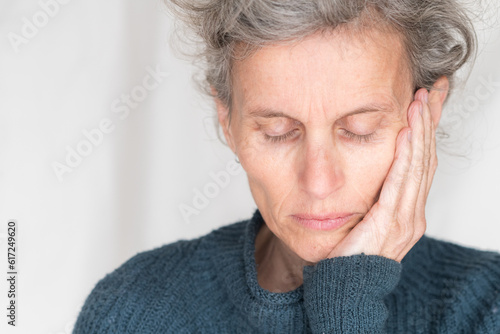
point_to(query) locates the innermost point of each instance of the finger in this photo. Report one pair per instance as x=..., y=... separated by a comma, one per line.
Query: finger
x=395, y=181
x=404, y=228
x=422, y=196
x=419, y=221
x=434, y=160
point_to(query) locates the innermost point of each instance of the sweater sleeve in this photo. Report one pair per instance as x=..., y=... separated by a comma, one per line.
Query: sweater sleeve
x=345, y=294
x=120, y=302
x=489, y=322
x=475, y=302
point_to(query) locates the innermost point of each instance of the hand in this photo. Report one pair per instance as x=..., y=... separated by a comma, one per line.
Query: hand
x=396, y=221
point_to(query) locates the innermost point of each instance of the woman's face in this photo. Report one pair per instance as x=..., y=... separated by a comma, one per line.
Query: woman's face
x=314, y=126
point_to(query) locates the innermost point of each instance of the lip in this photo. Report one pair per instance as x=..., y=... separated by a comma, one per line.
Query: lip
x=323, y=222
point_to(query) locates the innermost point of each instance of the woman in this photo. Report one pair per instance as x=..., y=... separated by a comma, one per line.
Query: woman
x=331, y=107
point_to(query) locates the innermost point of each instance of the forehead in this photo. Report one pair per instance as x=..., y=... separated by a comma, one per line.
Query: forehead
x=332, y=72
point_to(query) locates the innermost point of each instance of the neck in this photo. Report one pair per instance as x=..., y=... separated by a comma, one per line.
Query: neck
x=279, y=269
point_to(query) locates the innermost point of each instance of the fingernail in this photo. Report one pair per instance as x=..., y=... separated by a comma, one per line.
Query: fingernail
x=421, y=109
x=426, y=96
x=409, y=136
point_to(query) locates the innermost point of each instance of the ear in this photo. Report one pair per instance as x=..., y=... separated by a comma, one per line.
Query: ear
x=437, y=97
x=223, y=117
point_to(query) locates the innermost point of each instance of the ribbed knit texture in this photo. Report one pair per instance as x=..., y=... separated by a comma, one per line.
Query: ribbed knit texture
x=209, y=285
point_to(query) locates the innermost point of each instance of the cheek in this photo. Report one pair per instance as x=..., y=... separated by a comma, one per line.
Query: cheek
x=269, y=174
x=272, y=178
x=366, y=171
x=265, y=164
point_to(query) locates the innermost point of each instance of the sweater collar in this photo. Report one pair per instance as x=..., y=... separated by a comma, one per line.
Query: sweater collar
x=236, y=269
x=257, y=291
x=267, y=311
x=413, y=261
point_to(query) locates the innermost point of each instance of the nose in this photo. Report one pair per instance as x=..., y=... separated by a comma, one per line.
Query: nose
x=321, y=173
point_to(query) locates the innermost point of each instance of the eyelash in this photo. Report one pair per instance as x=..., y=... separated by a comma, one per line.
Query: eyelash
x=359, y=138
x=279, y=139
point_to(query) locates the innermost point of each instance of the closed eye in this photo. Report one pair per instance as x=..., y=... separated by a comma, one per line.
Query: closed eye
x=359, y=138
x=278, y=139
x=352, y=136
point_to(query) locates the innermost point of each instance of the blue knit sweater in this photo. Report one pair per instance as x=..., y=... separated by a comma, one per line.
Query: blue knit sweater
x=209, y=285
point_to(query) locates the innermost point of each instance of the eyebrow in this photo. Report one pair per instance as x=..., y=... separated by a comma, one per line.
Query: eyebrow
x=372, y=107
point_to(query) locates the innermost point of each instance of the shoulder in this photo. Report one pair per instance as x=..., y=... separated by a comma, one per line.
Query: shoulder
x=462, y=283
x=114, y=295
x=151, y=281
x=459, y=258
x=454, y=263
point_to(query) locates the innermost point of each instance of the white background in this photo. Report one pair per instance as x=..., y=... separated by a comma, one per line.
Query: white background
x=124, y=197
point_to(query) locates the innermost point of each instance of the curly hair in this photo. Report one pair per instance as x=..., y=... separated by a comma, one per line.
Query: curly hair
x=438, y=36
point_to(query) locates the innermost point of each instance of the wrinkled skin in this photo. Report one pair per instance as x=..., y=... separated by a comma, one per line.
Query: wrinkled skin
x=314, y=159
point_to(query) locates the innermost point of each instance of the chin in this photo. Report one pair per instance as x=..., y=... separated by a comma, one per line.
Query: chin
x=317, y=248
x=312, y=245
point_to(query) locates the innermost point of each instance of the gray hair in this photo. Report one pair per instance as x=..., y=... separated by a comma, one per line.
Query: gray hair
x=438, y=36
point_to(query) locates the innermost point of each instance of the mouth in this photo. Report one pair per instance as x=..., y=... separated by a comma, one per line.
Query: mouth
x=325, y=222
